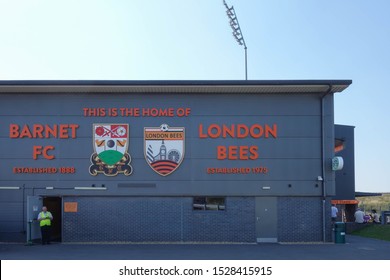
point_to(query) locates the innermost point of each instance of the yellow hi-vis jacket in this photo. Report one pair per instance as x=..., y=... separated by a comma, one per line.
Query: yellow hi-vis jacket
x=46, y=218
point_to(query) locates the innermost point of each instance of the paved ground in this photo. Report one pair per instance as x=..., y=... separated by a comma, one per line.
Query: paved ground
x=356, y=248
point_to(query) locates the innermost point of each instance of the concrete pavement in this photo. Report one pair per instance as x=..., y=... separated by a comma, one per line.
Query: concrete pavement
x=355, y=248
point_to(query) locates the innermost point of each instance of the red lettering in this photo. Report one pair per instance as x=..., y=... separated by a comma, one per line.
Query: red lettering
x=244, y=152
x=181, y=112
x=37, y=131
x=51, y=131
x=253, y=131
x=25, y=132
x=233, y=153
x=242, y=131
x=37, y=150
x=228, y=131
x=94, y=112
x=217, y=132
x=13, y=131
x=237, y=152
x=130, y=112
x=238, y=131
x=221, y=152
x=44, y=151
x=201, y=134
x=73, y=128
x=155, y=112
x=62, y=131
x=273, y=131
x=253, y=152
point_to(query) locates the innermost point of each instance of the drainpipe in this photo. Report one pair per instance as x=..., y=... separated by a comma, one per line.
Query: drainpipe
x=23, y=209
x=323, y=163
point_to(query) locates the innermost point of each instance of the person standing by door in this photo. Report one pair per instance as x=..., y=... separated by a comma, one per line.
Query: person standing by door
x=335, y=212
x=45, y=218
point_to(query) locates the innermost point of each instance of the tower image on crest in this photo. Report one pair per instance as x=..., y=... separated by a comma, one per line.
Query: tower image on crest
x=165, y=161
x=172, y=155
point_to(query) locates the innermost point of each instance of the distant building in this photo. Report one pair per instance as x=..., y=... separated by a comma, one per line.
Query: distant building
x=345, y=178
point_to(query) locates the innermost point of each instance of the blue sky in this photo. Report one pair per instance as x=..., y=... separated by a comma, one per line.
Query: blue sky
x=191, y=40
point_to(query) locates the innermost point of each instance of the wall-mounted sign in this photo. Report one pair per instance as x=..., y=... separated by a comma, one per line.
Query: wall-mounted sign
x=345, y=201
x=164, y=148
x=337, y=163
x=110, y=143
x=70, y=207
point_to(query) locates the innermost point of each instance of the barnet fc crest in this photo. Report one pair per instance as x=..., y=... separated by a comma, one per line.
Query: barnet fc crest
x=110, y=143
x=164, y=148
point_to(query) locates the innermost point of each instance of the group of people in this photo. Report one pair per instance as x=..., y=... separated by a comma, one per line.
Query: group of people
x=360, y=216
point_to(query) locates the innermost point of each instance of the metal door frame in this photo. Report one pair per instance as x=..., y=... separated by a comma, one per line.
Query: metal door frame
x=33, y=207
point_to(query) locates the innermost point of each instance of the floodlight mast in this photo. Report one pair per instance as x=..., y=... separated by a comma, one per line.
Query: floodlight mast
x=237, y=33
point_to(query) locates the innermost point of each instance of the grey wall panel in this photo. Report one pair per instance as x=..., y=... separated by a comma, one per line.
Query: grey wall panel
x=288, y=126
x=10, y=227
x=293, y=157
x=73, y=104
x=10, y=195
x=215, y=188
x=329, y=144
x=11, y=211
x=196, y=169
x=345, y=178
x=281, y=148
x=279, y=169
x=12, y=220
x=288, y=105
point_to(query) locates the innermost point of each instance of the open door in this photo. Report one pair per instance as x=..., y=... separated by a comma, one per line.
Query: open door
x=34, y=206
x=54, y=205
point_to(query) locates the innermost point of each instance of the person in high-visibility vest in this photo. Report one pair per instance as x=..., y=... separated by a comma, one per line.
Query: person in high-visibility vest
x=45, y=218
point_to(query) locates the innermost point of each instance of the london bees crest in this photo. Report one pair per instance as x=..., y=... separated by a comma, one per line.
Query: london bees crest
x=110, y=143
x=164, y=148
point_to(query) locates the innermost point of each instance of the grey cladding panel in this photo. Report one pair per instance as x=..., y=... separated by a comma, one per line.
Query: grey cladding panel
x=294, y=156
x=196, y=169
x=11, y=211
x=281, y=148
x=287, y=126
x=11, y=195
x=11, y=226
x=195, y=148
x=68, y=104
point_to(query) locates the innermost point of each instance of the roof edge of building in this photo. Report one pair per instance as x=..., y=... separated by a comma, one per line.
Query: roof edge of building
x=174, y=86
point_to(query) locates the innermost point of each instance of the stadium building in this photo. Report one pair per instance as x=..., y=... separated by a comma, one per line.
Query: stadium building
x=168, y=161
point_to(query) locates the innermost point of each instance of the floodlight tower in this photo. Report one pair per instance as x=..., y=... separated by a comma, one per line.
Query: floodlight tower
x=237, y=33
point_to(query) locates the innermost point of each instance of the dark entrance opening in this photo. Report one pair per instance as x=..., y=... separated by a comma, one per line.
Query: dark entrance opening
x=54, y=205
